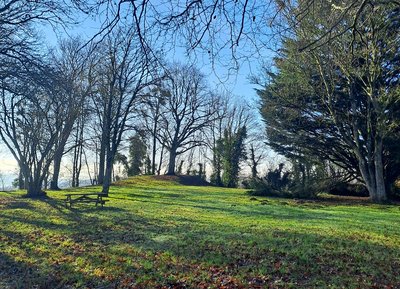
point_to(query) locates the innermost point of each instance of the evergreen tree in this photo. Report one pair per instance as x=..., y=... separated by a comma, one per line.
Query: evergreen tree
x=338, y=101
x=137, y=155
x=231, y=150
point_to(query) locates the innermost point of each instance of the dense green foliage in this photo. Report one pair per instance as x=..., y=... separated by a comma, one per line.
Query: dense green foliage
x=159, y=234
x=339, y=101
x=230, y=151
x=137, y=155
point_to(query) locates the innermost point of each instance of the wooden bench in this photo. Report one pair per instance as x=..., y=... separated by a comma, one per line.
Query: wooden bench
x=96, y=198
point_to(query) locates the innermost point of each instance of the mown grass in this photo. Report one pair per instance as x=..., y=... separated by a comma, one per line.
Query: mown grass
x=160, y=234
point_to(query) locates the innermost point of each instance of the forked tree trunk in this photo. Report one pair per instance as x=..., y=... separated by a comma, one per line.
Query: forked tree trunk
x=59, y=153
x=373, y=174
x=34, y=190
x=33, y=185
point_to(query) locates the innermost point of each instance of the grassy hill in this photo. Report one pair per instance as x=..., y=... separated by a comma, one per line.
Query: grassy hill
x=157, y=233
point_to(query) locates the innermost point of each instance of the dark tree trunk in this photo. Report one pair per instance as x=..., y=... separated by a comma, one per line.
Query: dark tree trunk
x=216, y=176
x=21, y=181
x=59, y=153
x=254, y=163
x=34, y=190
x=78, y=152
x=108, y=172
x=33, y=183
x=172, y=161
x=161, y=160
x=102, y=160
x=380, y=195
x=56, y=170
x=153, y=159
x=105, y=141
x=77, y=166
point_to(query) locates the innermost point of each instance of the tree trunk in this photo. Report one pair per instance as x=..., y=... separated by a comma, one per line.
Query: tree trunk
x=78, y=151
x=254, y=163
x=21, y=182
x=56, y=171
x=374, y=178
x=34, y=190
x=153, y=160
x=108, y=174
x=161, y=160
x=77, y=165
x=33, y=184
x=217, y=172
x=380, y=193
x=102, y=160
x=172, y=160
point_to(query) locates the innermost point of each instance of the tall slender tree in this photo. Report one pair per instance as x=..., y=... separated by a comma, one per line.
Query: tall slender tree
x=74, y=66
x=151, y=112
x=122, y=76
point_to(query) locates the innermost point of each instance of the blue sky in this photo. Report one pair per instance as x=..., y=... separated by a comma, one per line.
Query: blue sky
x=237, y=83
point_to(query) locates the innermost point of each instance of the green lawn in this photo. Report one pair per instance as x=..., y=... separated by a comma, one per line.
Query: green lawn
x=159, y=234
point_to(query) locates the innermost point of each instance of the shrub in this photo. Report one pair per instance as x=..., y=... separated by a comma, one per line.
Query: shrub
x=342, y=188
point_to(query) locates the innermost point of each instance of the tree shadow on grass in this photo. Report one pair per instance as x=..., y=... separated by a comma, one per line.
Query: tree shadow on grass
x=101, y=238
x=22, y=275
x=18, y=274
x=60, y=206
x=291, y=257
x=295, y=257
x=301, y=258
x=288, y=213
x=16, y=204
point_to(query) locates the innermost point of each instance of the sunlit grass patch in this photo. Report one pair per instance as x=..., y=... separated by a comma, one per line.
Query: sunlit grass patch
x=156, y=233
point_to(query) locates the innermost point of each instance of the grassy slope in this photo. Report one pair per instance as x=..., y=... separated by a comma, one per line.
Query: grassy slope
x=159, y=234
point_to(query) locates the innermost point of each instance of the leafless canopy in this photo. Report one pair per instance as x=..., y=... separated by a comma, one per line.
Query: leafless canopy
x=227, y=31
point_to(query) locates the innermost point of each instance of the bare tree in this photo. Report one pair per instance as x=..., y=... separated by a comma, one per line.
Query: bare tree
x=122, y=75
x=78, y=149
x=74, y=66
x=31, y=116
x=187, y=111
x=151, y=112
x=17, y=22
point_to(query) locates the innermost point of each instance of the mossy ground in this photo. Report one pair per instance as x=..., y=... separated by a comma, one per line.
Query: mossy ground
x=156, y=233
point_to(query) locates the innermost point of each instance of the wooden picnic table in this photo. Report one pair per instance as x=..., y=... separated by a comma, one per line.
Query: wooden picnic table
x=96, y=198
